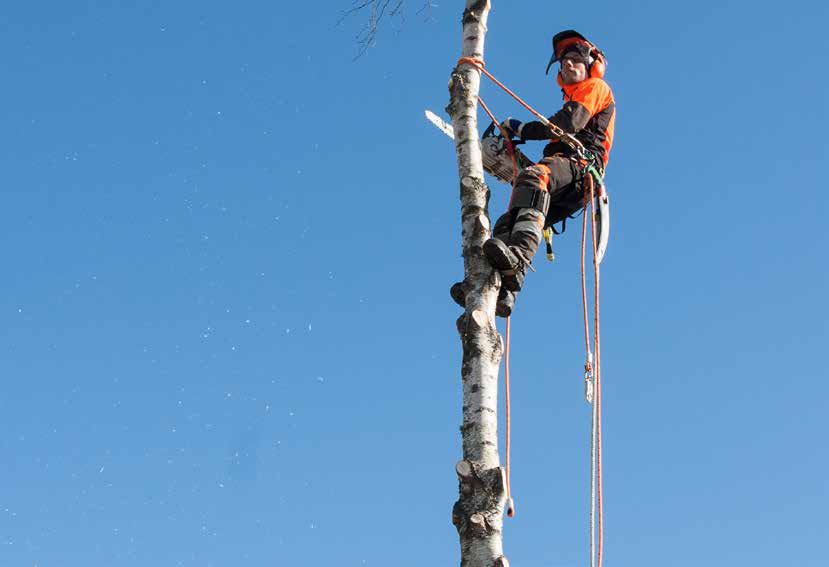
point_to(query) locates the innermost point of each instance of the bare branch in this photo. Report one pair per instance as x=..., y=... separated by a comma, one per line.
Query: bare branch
x=377, y=11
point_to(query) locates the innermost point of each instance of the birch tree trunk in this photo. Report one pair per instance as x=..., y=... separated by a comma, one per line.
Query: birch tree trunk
x=478, y=513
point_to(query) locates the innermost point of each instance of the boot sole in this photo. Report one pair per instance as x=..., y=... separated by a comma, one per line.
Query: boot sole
x=500, y=257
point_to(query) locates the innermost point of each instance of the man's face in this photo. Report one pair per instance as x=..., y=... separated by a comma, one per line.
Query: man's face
x=572, y=70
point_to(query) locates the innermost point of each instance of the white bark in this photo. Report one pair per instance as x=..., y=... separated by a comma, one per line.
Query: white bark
x=478, y=513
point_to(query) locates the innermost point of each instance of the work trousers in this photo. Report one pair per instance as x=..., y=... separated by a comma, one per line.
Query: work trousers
x=522, y=227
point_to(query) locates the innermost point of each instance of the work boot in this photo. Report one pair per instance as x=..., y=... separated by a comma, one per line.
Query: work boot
x=503, y=307
x=505, y=303
x=508, y=261
x=514, y=259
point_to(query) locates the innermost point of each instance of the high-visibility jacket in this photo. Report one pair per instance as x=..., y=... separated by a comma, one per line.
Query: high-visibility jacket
x=589, y=112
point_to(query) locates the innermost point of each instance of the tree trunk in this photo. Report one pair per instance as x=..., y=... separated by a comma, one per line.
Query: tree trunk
x=478, y=513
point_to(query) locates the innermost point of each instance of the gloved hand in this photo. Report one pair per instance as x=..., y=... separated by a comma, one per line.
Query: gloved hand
x=513, y=127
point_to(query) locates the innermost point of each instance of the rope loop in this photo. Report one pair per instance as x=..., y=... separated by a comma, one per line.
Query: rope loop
x=474, y=61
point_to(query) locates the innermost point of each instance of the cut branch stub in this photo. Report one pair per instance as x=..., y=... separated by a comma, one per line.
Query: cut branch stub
x=464, y=470
x=480, y=319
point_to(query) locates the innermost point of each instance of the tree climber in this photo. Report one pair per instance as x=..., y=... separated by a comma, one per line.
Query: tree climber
x=551, y=190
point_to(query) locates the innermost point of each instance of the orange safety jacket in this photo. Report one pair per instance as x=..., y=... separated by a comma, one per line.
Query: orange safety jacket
x=589, y=112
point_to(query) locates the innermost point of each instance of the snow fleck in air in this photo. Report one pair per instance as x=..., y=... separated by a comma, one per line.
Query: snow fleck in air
x=100, y=471
x=287, y=331
x=313, y=526
x=247, y=321
x=320, y=379
x=267, y=407
x=290, y=414
x=20, y=310
x=299, y=172
x=233, y=348
x=221, y=485
x=309, y=327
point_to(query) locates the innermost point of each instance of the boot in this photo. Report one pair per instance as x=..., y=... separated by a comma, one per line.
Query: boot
x=513, y=260
x=503, y=307
x=504, y=259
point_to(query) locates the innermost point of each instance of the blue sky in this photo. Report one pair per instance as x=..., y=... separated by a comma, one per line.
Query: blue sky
x=227, y=246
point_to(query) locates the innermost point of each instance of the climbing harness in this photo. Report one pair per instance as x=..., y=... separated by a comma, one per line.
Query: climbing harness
x=600, y=226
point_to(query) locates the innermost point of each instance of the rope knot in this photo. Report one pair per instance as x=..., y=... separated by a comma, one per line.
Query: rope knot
x=474, y=61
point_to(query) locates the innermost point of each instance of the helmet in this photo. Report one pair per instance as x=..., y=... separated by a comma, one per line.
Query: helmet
x=571, y=40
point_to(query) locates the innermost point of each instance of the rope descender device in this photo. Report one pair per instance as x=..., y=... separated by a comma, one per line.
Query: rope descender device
x=589, y=386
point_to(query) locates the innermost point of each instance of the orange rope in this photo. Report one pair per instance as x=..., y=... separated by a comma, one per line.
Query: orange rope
x=511, y=149
x=510, y=503
x=479, y=64
x=565, y=137
x=597, y=383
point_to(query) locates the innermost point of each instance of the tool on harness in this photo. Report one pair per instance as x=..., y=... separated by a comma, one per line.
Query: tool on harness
x=602, y=221
x=548, y=239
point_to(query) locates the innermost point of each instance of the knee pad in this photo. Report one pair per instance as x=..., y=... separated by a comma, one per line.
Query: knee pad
x=527, y=197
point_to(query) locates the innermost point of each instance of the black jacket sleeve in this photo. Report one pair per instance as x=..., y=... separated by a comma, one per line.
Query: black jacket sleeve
x=572, y=117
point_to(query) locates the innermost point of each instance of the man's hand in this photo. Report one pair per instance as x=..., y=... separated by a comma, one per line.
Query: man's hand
x=512, y=127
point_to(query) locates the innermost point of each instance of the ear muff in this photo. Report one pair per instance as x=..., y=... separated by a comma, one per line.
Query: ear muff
x=599, y=65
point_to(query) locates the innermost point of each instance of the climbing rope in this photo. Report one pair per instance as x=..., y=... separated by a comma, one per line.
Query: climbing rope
x=592, y=367
x=510, y=503
x=593, y=385
x=566, y=137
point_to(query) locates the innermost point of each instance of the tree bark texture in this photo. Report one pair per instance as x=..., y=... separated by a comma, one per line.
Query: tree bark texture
x=478, y=513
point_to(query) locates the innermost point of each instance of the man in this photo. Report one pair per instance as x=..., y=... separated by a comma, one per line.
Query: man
x=551, y=190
